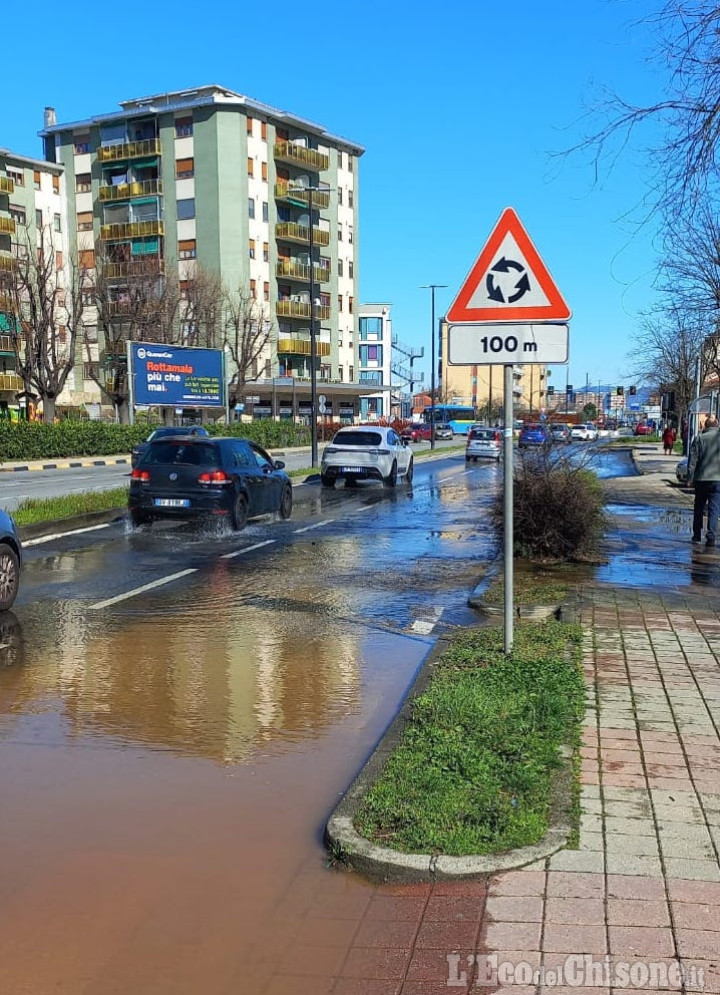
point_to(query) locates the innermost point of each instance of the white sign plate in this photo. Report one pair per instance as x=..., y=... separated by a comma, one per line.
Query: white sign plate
x=483, y=344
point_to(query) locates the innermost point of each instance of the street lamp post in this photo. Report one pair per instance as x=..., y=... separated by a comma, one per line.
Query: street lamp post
x=432, y=287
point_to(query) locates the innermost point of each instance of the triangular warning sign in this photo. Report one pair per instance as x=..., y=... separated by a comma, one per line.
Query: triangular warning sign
x=509, y=281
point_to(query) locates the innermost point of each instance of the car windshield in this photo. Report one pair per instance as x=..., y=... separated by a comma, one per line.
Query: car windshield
x=534, y=428
x=357, y=438
x=191, y=453
x=482, y=433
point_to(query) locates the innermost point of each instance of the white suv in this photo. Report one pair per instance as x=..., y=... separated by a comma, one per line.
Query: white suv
x=366, y=452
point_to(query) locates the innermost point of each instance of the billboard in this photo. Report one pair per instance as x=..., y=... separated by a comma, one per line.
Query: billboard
x=177, y=376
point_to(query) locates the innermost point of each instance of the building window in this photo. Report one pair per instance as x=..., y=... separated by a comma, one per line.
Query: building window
x=263, y=130
x=187, y=248
x=266, y=291
x=339, y=233
x=38, y=219
x=58, y=260
x=251, y=166
x=340, y=302
x=251, y=208
x=340, y=159
x=56, y=222
x=339, y=195
x=81, y=144
x=351, y=374
x=86, y=258
x=90, y=332
x=266, y=252
x=91, y=371
x=56, y=184
x=350, y=269
x=183, y=127
x=340, y=267
x=350, y=305
x=85, y=221
x=263, y=170
x=350, y=234
x=253, y=288
x=350, y=198
x=36, y=179
x=252, y=248
x=17, y=176
x=249, y=124
x=17, y=214
x=184, y=169
x=83, y=183
x=186, y=209
x=340, y=373
x=265, y=210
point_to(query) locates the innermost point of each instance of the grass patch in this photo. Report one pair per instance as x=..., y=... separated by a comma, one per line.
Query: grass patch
x=528, y=589
x=473, y=772
x=31, y=511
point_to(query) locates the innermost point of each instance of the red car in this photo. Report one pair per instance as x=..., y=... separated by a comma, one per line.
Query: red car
x=644, y=429
x=416, y=433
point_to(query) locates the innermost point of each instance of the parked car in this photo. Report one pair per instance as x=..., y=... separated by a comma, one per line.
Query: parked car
x=10, y=561
x=483, y=442
x=194, y=476
x=642, y=428
x=163, y=433
x=586, y=433
x=365, y=453
x=444, y=432
x=681, y=471
x=417, y=432
x=560, y=433
x=533, y=435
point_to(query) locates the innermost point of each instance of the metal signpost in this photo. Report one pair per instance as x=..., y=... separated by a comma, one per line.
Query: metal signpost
x=509, y=310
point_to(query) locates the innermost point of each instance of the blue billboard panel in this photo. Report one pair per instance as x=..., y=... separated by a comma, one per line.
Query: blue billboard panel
x=177, y=375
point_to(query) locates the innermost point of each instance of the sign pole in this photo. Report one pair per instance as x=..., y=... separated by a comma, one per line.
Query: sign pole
x=508, y=509
x=131, y=383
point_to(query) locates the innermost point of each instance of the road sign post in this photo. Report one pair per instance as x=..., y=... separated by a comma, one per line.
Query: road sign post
x=508, y=518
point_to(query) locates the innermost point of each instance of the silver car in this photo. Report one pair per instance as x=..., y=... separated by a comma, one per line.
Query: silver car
x=483, y=443
x=366, y=452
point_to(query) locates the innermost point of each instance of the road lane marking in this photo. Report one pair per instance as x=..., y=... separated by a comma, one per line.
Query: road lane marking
x=366, y=507
x=424, y=626
x=247, y=549
x=317, y=525
x=141, y=590
x=61, y=535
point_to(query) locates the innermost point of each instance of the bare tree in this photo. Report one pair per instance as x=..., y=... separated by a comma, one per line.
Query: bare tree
x=204, y=302
x=247, y=325
x=47, y=294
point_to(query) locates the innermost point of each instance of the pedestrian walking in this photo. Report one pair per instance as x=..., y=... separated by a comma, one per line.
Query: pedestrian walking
x=668, y=440
x=704, y=474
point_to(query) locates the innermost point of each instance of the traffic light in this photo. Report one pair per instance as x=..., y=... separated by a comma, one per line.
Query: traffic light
x=550, y=391
x=621, y=391
x=633, y=390
x=569, y=389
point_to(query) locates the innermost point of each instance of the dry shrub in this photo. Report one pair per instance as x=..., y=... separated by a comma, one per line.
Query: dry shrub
x=558, y=506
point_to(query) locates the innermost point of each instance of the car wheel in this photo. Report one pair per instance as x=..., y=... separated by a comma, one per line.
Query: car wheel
x=240, y=513
x=286, y=503
x=9, y=577
x=139, y=517
x=327, y=481
x=409, y=472
x=391, y=479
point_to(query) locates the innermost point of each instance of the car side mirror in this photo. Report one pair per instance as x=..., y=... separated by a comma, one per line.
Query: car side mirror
x=279, y=464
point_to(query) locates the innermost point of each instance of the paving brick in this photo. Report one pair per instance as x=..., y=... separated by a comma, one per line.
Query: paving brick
x=695, y=870
x=645, y=866
x=510, y=936
x=514, y=909
x=688, y=916
x=529, y=883
x=575, y=911
x=580, y=939
x=576, y=860
x=634, y=887
x=637, y=912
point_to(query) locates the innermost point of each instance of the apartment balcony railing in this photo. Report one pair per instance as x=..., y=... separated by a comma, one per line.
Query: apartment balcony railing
x=7, y=264
x=296, y=195
x=138, y=188
x=11, y=381
x=131, y=229
x=294, y=346
x=301, y=271
x=7, y=226
x=115, y=271
x=291, y=232
x=121, y=309
x=6, y=345
x=371, y=379
x=129, y=150
x=6, y=303
x=301, y=309
x=7, y=185
x=299, y=155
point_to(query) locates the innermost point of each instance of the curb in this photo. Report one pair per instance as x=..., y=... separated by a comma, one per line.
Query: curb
x=65, y=465
x=385, y=865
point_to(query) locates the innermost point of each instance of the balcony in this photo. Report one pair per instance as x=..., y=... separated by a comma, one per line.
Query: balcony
x=6, y=345
x=296, y=195
x=131, y=229
x=7, y=226
x=299, y=155
x=301, y=271
x=124, y=191
x=7, y=185
x=301, y=309
x=301, y=347
x=129, y=150
x=147, y=267
x=7, y=264
x=11, y=381
x=290, y=232
x=6, y=303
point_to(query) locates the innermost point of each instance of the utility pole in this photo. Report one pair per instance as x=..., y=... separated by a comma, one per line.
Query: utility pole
x=432, y=287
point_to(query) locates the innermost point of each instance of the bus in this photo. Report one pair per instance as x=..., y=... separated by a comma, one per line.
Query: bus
x=459, y=417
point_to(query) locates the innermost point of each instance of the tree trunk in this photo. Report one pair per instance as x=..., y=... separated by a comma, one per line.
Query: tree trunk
x=48, y=410
x=123, y=412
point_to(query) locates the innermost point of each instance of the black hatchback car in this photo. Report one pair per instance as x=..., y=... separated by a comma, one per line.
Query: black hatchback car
x=163, y=433
x=196, y=477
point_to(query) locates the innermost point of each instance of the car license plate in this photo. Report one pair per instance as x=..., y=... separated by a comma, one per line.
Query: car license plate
x=352, y=469
x=171, y=503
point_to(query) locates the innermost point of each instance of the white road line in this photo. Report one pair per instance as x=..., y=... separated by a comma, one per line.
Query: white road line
x=247, y=549
x=317, y=525
x=366, y=507
x=61, y=535
x=141, y=590
x=424, y=626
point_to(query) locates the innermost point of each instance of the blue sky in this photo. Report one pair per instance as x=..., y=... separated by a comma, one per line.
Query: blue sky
x=458, y=104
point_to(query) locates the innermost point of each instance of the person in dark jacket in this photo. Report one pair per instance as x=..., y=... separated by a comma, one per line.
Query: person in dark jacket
x=704, y=474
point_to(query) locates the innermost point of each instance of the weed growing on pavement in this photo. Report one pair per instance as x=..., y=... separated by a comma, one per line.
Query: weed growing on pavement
x=31, y=511
x=473, y=772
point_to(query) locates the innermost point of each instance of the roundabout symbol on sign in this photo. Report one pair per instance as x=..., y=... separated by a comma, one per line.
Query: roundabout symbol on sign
x=495, y=291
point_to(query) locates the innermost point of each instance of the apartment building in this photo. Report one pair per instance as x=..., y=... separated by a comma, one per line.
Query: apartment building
x=374, y=359
x=209, y=180
x=32, y=217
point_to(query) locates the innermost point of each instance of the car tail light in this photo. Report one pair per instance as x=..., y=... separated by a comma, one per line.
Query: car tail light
x=142, y=475
x=214, y=477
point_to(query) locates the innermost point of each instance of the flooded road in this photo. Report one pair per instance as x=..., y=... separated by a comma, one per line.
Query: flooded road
x=180, y=711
